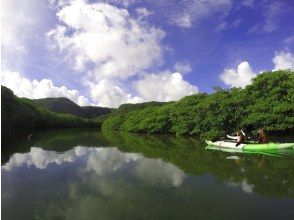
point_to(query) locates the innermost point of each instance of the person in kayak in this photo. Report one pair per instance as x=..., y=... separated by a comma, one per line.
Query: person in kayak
x=234, y=136
x=262, y=137
x=240, y=138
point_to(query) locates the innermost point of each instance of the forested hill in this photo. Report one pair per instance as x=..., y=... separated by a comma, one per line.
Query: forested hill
x=129, y=107
x=21, y=116
x=268, y=102
x=64, y=105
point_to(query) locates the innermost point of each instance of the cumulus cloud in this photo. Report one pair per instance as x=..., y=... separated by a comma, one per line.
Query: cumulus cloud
x=283, y=60
x=191, y=12
x=239, y=77
x=164, y=86
x=109, y=94
x=106, y=40
x=111, y=46
x=23, y=87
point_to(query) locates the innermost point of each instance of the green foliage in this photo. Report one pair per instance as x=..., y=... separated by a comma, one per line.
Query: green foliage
x=113, y=122
x=267, y=102
x=64, y=105
x=126, y=108
x=272, y=96
x=21, y=115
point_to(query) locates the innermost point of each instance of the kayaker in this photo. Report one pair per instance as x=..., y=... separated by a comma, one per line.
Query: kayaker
x=240, y=138
x=262, y=137
x=235, y=137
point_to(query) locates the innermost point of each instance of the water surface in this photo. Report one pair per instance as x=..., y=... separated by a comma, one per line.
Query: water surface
x=84, y=174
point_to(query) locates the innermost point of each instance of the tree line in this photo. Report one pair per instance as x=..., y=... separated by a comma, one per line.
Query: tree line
x=268, y=102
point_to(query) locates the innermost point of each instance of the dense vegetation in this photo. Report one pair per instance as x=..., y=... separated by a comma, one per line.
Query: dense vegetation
x=117, y=116
x=126, y=108
x=21, y=115
x=64, y=105
x=267, y=102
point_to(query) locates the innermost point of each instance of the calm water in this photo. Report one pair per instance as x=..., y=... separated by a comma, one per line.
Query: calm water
x=84, y=174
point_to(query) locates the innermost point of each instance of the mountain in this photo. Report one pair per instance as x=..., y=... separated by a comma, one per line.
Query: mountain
x=20, y=116
x=64, y=105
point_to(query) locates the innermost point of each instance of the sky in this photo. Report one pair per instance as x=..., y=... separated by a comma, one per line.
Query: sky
x=110, y=52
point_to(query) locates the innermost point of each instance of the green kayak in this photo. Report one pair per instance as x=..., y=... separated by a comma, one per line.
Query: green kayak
x=251, y=146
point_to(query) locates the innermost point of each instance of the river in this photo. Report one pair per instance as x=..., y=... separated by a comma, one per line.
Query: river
x=86, y=174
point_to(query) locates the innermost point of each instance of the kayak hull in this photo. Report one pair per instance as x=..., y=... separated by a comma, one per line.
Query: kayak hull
x=251, y=146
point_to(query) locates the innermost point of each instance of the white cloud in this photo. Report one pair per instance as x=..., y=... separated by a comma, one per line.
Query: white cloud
x=109, y=94
x=107, y=39
x=108, y=45
x=164, y=86
x=191, y=12
x=239, y=77
x=143, y=13
x=22, y=22
x=283, y=60
x=35, y=89
x=183, y=20
x=18, y=19
x=183, y=67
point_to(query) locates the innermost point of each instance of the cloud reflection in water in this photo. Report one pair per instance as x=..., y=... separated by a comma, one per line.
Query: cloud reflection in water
x=102, y=161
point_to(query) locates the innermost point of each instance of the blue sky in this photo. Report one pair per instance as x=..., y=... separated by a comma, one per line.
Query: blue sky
x=111, y=52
